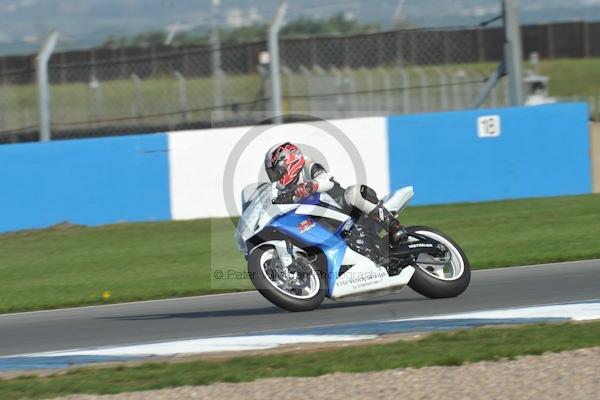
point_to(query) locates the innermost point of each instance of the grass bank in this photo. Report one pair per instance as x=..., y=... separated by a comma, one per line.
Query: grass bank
x=73, y=266
x=437, y=349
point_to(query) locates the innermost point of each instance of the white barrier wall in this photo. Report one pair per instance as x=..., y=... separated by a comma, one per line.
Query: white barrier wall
x=198, y=159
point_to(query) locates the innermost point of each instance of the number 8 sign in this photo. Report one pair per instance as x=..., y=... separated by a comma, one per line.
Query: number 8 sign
x=488, y=126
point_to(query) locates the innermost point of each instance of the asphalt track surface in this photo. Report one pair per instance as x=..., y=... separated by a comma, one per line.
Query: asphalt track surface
x=234, y=314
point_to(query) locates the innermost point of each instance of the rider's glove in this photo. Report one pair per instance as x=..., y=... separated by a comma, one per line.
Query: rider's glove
x=306, y=189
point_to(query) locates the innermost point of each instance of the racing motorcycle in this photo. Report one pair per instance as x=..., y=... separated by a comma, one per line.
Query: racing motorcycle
x=300, y=252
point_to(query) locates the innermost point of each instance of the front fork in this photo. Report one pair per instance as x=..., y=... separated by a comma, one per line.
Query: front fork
x=285, y=252
x=291, y=267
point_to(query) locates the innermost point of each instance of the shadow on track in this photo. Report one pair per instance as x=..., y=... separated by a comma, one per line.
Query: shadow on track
x=271, y=310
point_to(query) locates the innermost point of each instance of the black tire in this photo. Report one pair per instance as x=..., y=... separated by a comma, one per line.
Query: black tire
x=275, y=296
x=436, y=288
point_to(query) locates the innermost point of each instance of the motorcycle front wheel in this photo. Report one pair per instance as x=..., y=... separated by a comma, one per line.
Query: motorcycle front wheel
x=440, y=277
x=300, y=287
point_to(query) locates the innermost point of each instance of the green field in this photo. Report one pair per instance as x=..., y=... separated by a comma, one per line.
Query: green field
x=437, y=349
x=72, y=266
x=77, y=102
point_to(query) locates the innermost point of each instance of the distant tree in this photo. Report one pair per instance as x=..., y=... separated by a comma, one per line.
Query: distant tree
x=245, y=34
x=141, y=40
x=114, y=42
x=340, y=24
x=149, y=39
x=404, y=24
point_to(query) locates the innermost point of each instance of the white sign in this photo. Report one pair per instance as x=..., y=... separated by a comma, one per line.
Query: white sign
x=488, y=126
x=198, y=159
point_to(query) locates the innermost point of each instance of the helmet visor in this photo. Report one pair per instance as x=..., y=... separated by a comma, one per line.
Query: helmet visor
x=276, y=172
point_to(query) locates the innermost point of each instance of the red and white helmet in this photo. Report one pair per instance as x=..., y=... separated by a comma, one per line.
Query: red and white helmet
x=284, y=163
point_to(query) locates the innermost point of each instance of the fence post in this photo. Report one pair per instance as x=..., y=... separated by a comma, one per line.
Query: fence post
x=512, y=62
x=387, y=86
x=480, y=45
x=96, y=86
x=183, y=103
x=2, y=109
x=514, y=52
x=63, y=67
x=369, y=87
x=550, y=40
x=475, y=86
x=405, y=88
x=215, y=46
x=307, y=75
x=42, y=60
x=585, y=26
x=290, y=86
x=456, y=100
x=137, y=104
x=274, y=28
x=443, y=83
x=339, y=85
x=424, y=83
x=352, y=89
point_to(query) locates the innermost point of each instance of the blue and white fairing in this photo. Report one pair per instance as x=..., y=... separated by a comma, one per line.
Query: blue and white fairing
x=317, y=222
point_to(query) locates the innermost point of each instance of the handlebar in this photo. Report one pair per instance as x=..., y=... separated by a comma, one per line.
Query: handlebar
x=285, y=197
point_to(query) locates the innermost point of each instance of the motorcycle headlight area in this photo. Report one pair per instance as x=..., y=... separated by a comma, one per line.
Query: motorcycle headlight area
x=250, y=217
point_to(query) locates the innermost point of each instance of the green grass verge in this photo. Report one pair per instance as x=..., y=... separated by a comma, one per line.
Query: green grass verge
x=73, y=266
x=437, y=349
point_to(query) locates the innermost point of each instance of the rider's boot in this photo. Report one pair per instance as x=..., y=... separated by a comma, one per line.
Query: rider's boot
x=388, y=221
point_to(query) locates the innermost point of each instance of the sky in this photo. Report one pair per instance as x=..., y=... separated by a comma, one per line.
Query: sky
x=86, y=23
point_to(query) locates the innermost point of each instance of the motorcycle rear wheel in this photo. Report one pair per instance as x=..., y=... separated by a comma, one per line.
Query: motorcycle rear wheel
x=440, y=281
x=301, y=298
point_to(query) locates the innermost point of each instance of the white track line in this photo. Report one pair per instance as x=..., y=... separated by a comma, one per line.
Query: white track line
x=202, y=345
x=441, y=316
x=573, y=311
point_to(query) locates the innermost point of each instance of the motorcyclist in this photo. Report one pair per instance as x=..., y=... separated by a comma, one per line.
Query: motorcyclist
x=298, y=177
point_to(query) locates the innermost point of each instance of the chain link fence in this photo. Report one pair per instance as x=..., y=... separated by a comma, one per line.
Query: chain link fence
x=144, y=90
x=155, y=92
x=19, y=117
x=401, y=72
x=108, y=92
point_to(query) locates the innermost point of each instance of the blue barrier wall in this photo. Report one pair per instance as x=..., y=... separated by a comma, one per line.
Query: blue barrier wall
x=90, y=182
x=541, y=151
